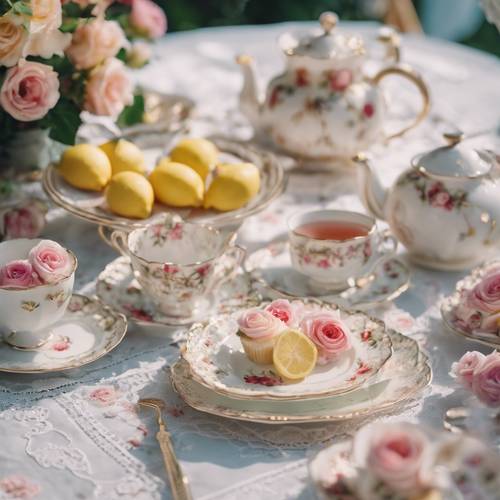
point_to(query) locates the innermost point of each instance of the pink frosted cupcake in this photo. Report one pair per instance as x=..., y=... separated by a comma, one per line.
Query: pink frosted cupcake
x=258, y=332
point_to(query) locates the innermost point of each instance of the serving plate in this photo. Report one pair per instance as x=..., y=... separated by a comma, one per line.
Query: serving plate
x=406, y=374
x=217, y=360
x=92, y=206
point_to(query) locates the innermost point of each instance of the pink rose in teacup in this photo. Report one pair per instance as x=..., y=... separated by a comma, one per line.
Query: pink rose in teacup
x=284, y=311
x=485, y=296
x=463, y=369
x=18, y=274
x=259, y=324
x=50, y=261
x=397, y=454
x=486, y=380
x=328, y=332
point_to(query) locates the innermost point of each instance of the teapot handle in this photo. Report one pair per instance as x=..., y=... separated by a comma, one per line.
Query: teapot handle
x=411, y=75
x=389, y=37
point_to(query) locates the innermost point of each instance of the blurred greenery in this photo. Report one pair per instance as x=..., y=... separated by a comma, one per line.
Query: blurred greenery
x=190, y=14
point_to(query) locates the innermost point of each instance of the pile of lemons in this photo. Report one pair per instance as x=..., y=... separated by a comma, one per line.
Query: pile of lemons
x=191, y=176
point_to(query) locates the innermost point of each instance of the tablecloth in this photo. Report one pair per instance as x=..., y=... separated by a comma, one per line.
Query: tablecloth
x=78, y=434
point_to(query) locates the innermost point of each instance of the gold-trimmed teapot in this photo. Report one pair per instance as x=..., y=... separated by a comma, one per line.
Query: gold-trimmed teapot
x=445, y=208
x=322, y=105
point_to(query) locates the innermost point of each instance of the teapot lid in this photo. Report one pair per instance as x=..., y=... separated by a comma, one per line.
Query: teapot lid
x=454, y=160
x=326, y=45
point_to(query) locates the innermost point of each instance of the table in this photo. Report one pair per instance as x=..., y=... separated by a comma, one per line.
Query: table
x=78, y=435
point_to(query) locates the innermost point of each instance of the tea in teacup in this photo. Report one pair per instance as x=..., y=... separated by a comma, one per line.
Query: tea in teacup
x=332, y=230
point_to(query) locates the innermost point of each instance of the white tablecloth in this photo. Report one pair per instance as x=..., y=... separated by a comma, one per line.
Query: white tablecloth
x=77, y=434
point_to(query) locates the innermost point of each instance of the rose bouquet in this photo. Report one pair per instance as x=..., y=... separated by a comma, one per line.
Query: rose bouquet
x=59, y=57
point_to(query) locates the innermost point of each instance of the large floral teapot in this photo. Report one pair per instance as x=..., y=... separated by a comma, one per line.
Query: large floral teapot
x=445, y=208
x=322, y=105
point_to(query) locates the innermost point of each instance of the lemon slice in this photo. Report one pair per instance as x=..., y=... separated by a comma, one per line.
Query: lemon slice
x=124, y=156
x=199, y=154
x=294, y=355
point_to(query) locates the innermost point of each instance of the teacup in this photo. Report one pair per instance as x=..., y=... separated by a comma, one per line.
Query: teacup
x=27, y=313
x=339, y=257
x=178, y=263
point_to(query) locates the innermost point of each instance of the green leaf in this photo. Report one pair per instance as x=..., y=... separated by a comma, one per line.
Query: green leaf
x=69, y=25
x=122, y=55
x=132, y=114
x=71, y=9
x=22, y=8
x=63, y=121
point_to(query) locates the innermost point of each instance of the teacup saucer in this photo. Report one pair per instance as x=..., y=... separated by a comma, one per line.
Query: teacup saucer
x=272, y=268
x=87, y=331
x=117, y=287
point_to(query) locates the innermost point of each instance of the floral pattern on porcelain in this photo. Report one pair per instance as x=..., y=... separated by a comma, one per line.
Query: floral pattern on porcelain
x=17, y=486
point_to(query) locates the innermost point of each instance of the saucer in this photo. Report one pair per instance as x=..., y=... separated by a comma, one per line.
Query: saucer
x=217, y=360
x=272, y=268
x=117, y=287
x=405, y=374
x=87, y=331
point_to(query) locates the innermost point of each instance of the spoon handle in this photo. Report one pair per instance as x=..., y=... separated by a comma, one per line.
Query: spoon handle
x=178, y=481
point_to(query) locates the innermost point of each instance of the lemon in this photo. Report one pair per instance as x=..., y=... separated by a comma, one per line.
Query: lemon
x=294, y=355
x=123, y=156
x=130, y=194
x=199, y=154
x=234, y=185
x=85, y=166
x=176, y=184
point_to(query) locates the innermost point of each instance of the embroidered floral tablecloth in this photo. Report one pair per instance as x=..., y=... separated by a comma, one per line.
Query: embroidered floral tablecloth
x=79, y=435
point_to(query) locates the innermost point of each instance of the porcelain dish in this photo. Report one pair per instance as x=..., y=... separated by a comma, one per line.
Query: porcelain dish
x=87, y=331
x=92, y=206
x=216, y=359
x=406, y=374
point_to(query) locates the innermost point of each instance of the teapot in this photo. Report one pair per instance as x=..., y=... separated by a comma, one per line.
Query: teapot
x=445, y=208
x=323, y=106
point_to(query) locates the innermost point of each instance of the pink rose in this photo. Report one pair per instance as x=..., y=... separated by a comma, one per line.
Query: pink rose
x=486, y=380
x=397, y=454
x=51, y=261
x=340, y=80
x=94, y=42
x=328, y=332
x=284, y=311
x=104, y=396
x=485, y=296
x=29, y=91
x=18, y=274
x=467, y=317
x=463, y=369
x=148, y=18
x=108, y=89
x=26, y=221
x=439, y=197
x=490, y=323
x=259, y=324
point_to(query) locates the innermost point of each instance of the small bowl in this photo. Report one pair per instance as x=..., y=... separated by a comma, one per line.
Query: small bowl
x=26, y=313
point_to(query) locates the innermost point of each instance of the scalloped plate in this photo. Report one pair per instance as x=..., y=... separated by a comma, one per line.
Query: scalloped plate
x=216, y=359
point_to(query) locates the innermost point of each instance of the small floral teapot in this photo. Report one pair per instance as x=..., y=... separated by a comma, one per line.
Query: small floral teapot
x=445, y=208
x=322, y=106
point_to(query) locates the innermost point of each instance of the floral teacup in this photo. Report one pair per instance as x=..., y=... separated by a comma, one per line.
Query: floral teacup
x=27, y=313
x=334, y=263
x=178, y=263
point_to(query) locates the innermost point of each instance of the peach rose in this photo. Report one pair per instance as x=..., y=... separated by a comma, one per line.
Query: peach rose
x=259, y=324
x=108, y=89
x=94, y=42
x=18, y=274
x=148, y=18
x=463, y=369
x=13, y=37
x=51, y=261
x=29, y=91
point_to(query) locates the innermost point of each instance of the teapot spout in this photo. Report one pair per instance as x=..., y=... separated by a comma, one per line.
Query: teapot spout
x=250, y=103
x=371, y=191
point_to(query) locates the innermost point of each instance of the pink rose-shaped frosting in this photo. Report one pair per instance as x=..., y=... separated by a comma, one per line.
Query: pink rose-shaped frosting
x=328, y=332
x=109, y=89
x=397, y=454
x=259, y=324
x=18, y=274
x=486, y=380
x=26, y=221
x=463, y=369
x=29, y=91
x=95, y=41
x=148, y=18
x=485, y=296
x=51, y=261
x=284, y=311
